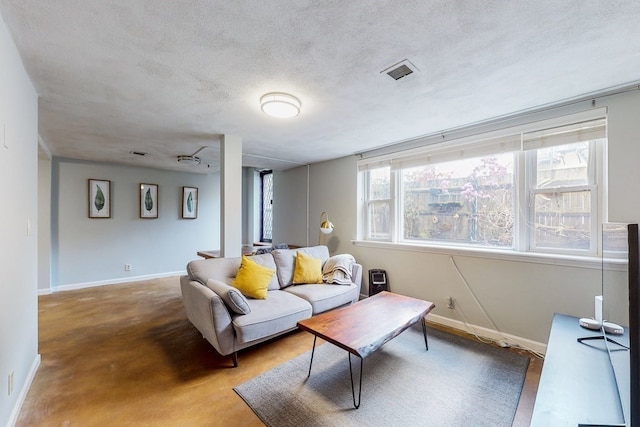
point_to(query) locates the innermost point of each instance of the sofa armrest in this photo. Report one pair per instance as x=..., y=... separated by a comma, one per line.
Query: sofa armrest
x=206, y=310
x=356, y=275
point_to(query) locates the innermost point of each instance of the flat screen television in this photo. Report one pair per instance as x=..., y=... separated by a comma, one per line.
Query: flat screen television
x=631, y=405
x=623, y=350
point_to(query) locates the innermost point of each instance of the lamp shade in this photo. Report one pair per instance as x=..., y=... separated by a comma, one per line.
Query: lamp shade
x=282, y=105
x=326, y=226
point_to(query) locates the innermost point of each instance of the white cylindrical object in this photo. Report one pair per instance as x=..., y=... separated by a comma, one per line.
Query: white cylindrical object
x=598, y=308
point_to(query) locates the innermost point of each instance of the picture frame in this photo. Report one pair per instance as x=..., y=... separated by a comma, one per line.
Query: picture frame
x=99, y=200
x=189, y=202
x=148, y=201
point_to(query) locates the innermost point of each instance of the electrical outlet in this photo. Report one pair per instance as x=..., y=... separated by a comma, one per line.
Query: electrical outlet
x=127, y=267
x=450, y=303
x=10, y=383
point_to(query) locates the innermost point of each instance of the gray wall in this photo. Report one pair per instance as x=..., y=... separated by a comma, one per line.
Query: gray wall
x=519, y=293
x=18, y=228
x=290, y=208
x=93, y=251
x=251, y=206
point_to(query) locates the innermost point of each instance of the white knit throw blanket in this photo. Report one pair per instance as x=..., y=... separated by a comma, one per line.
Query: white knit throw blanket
x=338, y=269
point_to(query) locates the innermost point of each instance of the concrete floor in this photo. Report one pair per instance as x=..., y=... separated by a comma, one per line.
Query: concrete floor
x=127, y=355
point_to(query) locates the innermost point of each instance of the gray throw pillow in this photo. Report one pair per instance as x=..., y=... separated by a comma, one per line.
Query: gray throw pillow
x=231, y=296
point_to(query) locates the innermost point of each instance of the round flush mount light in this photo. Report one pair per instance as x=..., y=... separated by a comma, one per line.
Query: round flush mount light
x=281, y=105
x=189, y=160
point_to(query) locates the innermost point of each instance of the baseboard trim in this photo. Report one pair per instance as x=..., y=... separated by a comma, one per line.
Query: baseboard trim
x=76, y=286
x=13, y=418
x=490, y=334
x=511, y=340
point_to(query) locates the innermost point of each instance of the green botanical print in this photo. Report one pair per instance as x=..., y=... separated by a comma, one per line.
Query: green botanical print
x=148, y=201
x=98, y=201
x=190, y=202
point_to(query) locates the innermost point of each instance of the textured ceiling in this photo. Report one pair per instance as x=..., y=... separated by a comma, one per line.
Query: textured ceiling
x=169, y=77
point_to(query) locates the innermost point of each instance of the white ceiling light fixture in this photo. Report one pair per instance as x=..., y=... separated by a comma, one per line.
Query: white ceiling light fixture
x=190, y=159
x=281, y=105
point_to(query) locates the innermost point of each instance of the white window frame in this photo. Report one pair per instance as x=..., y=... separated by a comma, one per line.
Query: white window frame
x=593, y=175
x=523, y=194
x=368, y=201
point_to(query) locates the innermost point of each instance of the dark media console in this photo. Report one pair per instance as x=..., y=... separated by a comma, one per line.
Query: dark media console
x=577, y=386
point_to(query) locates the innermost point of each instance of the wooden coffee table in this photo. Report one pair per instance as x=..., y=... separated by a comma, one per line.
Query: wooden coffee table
x=367, y=325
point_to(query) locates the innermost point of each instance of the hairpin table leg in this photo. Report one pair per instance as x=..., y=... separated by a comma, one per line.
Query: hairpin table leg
x=424, y=332
x=353, y=392
x=312, y=351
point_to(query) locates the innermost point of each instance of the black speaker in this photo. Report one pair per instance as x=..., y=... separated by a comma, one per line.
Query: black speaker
x=378, y=281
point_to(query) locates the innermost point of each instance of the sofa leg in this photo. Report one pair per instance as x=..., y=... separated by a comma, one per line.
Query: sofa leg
x=234, y=357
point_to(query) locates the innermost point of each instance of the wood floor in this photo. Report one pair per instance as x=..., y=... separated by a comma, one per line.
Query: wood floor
x=127, y=355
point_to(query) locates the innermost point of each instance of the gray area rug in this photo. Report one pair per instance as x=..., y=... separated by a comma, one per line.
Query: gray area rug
x=457, y=382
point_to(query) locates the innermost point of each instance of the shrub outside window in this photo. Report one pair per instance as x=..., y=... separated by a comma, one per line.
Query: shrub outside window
x=467, y=201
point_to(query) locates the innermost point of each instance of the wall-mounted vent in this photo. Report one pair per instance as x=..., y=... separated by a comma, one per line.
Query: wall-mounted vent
x=138, y=153
x=400, y=70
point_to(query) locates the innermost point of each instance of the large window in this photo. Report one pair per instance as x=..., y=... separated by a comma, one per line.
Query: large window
x=539, y=191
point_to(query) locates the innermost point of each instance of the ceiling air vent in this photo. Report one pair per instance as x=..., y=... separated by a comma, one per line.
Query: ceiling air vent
x=400, y=70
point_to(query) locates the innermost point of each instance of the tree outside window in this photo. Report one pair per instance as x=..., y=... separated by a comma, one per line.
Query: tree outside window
x=465, y=201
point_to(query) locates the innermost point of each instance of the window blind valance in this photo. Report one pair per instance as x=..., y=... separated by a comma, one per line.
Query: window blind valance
x=369, y=164
x=528, y=137
x=442, y=152
x=576, y=132
x=446, y=152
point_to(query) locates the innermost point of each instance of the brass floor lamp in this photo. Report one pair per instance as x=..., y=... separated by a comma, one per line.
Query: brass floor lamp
x=326, y=226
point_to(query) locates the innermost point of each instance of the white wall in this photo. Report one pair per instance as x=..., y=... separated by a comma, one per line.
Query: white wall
x=44, y=223
x=18, y=228
x=89, y=251
x=520, y=296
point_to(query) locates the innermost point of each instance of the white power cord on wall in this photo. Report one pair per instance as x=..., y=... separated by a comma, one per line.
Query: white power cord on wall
x=505, y=340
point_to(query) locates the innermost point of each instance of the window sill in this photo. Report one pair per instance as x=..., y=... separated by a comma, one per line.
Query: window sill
x=613, y=264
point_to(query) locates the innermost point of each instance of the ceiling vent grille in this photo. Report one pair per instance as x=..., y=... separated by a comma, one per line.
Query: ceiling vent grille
x=400, y=70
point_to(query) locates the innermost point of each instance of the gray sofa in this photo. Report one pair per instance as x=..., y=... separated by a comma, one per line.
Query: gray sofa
x=210, y=306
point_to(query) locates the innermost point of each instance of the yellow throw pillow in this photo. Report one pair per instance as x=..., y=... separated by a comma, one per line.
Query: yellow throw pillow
x=308, y=269
x=252, y=279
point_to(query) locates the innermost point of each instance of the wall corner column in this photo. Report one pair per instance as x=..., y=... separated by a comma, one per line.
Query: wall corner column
x=230, y=196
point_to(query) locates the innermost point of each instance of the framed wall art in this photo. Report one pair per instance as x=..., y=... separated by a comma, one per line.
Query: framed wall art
x=189, y=202
x=148, y=201
x=99, y=198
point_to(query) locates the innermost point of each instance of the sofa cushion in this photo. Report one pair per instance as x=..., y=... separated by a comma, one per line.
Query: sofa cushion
x=325, y=297
x=285, y=261
x=267, y=261
x=252, y=278
x=307, y=269
x=222, y=269
x=232, y=297
x=280, y=312
x=225, y=269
